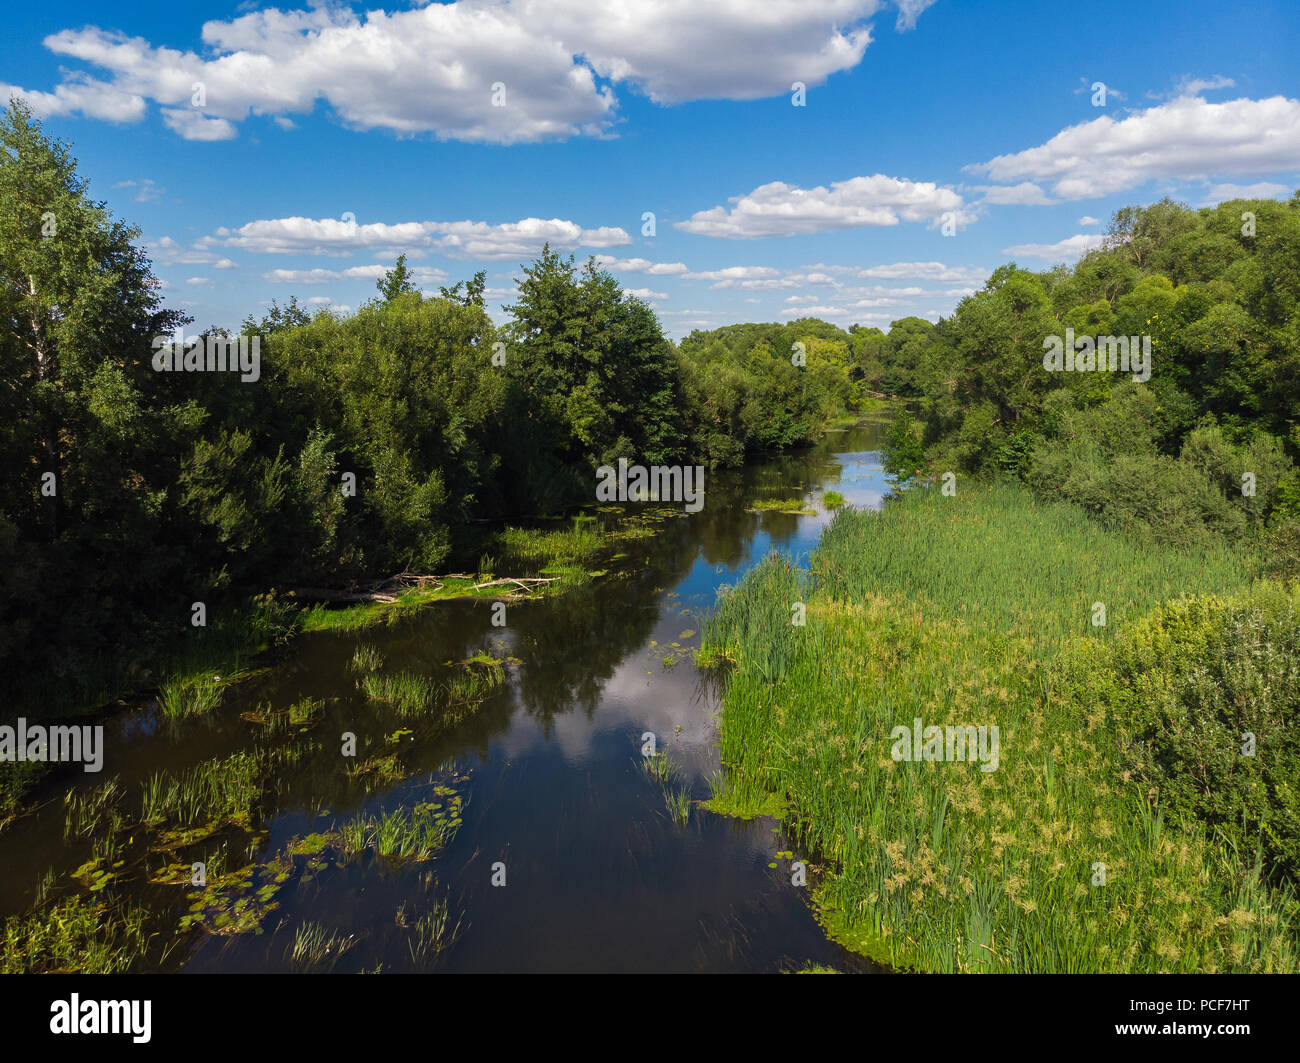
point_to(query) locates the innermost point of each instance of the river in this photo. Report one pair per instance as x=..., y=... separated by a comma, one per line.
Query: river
x=599, y=876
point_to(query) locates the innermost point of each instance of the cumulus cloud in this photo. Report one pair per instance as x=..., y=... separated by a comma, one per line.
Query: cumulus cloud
x=193, y=125
x=1186, y=138
x=1066, y=250
x=761, y=278
x=168, y=252
x=456, y=239
x=779, y=209
x=679, y=50
x=1024, y=194
x=83, y=96
x=1260, y=190
x=645, y=293
x=930, y=271
x=419, y=274
x=433, y=69
x=641, y=265
x=1088, y=219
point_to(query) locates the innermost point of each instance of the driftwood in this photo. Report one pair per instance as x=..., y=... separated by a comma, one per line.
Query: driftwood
x=390, y=589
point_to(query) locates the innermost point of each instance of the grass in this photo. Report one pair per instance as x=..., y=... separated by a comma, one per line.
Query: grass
x=790, y=506
x=316, y=949
x=411, y=695
x=832, y=499
x=181, y=696
x=552, y=547
x=956, y=610
x=416, y=834
x=660, y=768
x=305, y=711
x=433, y=934
x=366, y=659
x=407, y=693
x=678, y=802
x=77, y=935
x=86, y=811
x=217, y=791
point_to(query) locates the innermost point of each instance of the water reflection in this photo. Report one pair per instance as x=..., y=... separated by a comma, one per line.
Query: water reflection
x=599, y=876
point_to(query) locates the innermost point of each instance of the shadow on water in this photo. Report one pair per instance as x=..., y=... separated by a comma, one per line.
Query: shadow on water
x=600, y=875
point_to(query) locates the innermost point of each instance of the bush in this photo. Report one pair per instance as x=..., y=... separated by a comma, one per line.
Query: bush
x=1197, y=676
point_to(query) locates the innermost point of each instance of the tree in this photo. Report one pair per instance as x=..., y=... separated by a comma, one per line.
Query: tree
x=473, y=290
x=82, y=474
x=397, y=281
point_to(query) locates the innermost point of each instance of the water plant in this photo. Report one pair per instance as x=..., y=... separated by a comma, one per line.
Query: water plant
x=366, y=658
x=678, y=802
x=1056, y=861
x=432, y=934
x=85, y=811
x=316, y=948
x=76, y=935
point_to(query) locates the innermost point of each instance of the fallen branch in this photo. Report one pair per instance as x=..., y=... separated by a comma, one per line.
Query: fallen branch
x=525, y=583
x=390, y=589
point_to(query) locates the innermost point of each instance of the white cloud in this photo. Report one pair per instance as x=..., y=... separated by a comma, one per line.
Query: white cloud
x=1024, y=194
x=641, y=265
x=457, y=239
x=909, y=11
x=168, y=252
x=1260, y=190
x=80, y=95
x=1186, y=138
x=429, y=70
x=432, y=69
x=734, y=273
x=193, y=125
x=146, y=191
x=930, y=271
x=779, y=209
x=419, y=274
x=645, y=293
x=1190, y=86
x=1070, y=248
x=679, y=50
x=759, y=278
x=1088, y=219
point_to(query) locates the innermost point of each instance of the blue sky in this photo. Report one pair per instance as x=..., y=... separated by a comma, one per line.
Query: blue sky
x=939, y=139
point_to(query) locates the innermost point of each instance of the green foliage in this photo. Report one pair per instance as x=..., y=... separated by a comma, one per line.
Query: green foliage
x=1183, y=692
x=1165, y=457
x=973, y=610
x=744, y=394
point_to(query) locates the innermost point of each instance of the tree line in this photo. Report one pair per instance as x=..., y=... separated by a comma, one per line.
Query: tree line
x=1205, y=450
x=367, y=444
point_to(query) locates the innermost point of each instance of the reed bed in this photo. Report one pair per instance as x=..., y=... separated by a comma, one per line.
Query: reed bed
x=955, y=611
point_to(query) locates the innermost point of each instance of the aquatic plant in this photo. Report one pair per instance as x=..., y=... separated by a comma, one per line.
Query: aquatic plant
x=316, y=949
x=366, y=658
x=1055, y=861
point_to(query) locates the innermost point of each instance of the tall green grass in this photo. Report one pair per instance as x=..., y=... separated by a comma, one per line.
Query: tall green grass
x=218, y=791
x=954, y=610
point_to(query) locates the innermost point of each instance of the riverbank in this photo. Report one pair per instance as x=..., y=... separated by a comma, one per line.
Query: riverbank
x=232, y=648
x=988, y=610
x=537, y=727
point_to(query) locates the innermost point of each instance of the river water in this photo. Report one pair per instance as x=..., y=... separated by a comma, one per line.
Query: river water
x=598, y=875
